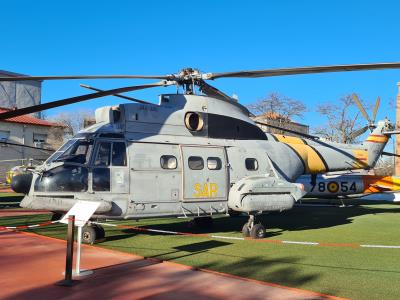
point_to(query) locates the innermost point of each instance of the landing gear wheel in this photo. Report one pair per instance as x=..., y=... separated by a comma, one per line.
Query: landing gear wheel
x=246, y=230
x=89, y=234
x=253, y=228
x=100, y=233
x=257, y=231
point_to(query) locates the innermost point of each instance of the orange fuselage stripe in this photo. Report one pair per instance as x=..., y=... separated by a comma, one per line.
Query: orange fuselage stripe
x=312, y=161
x=377, y=138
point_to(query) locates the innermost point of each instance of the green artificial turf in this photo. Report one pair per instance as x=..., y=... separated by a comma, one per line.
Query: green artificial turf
x=11, y=195
x=356, y=273
x=10, y=200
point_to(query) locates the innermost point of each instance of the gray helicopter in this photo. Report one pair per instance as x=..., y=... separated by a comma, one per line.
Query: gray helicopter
x=193, y=154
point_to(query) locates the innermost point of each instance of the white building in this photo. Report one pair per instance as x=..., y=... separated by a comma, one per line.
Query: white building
x=24, y=130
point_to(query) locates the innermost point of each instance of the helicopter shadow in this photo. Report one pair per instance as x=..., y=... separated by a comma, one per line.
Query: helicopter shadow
x=296, y=219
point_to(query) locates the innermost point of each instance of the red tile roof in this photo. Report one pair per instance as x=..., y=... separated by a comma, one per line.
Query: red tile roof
x=27, y=119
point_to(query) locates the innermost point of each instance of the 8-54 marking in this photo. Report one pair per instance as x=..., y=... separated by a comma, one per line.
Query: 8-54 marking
x=334, y=187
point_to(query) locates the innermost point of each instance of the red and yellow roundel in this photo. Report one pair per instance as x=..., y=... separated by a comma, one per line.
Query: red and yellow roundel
x=333, y=187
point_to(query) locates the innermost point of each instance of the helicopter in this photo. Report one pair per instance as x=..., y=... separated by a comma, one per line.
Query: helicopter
x=195, y=153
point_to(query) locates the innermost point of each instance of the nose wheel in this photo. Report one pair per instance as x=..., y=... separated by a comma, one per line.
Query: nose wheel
x=253, y=228
x=91, y=233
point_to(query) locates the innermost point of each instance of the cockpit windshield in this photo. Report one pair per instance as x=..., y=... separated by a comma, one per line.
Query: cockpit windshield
x=75, y=151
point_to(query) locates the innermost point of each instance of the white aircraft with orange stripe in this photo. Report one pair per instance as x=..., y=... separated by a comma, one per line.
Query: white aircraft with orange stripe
x=349, y=185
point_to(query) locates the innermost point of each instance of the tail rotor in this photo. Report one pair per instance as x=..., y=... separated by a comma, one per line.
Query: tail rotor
x=371, y=122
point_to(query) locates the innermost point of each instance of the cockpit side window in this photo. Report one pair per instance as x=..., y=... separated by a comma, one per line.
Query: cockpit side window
x=103, y=154
x=75, y=151
x=119, y=154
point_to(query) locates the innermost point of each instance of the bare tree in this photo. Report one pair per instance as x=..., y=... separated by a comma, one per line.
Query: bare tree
x=281, y=106
x=73, y=121
x=341, y=121
x=384, y=167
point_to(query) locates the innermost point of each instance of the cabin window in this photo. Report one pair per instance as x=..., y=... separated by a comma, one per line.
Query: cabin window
x=196, y=163
x=168, y=162
x=214, y=163
x=251, y=164
x=119, y=154
x=103, y=155
x=101, y=179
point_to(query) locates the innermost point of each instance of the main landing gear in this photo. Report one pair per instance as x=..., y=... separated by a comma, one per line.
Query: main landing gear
x=91, y=233
x=253, y=228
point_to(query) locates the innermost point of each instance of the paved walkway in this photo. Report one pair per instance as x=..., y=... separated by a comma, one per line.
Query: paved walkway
x=30, y=265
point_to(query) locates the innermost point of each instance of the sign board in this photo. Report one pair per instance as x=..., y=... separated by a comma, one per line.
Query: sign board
x=82, y=210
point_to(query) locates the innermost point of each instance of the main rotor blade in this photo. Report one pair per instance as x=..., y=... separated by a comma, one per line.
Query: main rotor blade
x=378, y=101
x=361, y=107
x=309, y=136
x=390, y=154
x=26, y=146
x=67, y=101
x=212, y=91
x=303, y=70
x=358, y=132
x=116, y=95
x=40, y=78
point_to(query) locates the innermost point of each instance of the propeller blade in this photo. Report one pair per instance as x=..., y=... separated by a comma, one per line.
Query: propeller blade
x=40, y=78
x=378, y=101
x=309, y=136
x=361, y=107
x=67, y=101
x=116, y=95
x=303, y=70
x=358, y=132
x=390, y=154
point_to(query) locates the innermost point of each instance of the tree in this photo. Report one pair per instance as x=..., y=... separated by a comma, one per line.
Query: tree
x=73, y=121
x=280, y=106
x=341, y=121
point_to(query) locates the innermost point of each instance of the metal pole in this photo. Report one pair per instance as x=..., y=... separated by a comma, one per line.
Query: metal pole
x=70, y=253
x=70, y=248
x=78, y=251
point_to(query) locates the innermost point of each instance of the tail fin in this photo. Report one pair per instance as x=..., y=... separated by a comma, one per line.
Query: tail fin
x=377, y=141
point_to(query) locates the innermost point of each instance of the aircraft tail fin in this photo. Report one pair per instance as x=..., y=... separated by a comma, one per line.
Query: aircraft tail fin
x=376, y=141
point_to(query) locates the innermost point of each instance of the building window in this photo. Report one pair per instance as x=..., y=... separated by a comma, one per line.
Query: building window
x=39, y=140
x=168, y=162
x=214, y=163
x=251, y=164
x=196, y=163
x=4, y=135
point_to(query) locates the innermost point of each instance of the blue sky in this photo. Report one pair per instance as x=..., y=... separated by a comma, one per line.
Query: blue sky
x=161, y=37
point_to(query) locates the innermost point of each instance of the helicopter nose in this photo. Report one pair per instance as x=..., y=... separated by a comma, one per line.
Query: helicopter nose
x=21, y=183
